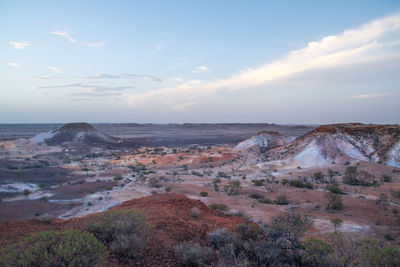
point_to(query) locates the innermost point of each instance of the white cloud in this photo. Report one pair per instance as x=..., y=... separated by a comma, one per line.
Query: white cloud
x=14, y=64
x=65, y=35
x=363, y=96
x=99, y=44
x=55, y=69
x=376, y=40
x=200, y=69
x=20, y=45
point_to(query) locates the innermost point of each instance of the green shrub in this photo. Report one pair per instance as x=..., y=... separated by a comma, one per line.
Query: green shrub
x=386, y=178
x=334, y=189
x=335, y=201
x=282, y=200
x=233, y=188
x=255, y=196
x=218, y=206
x=168, y=189
x=284, y=181
x=316, y=252
x=124, y=231
x=257, y=182
x=297, y=183
x=194, y=254
x=203, y=194
x=51, y=248
x=265, y=200
x=117, y=178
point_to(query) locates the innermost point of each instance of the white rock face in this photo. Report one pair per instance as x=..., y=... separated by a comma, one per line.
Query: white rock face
x=394, y=156
x=42, y=137
x=263, y=139
x=18, y=187
x=311, y=156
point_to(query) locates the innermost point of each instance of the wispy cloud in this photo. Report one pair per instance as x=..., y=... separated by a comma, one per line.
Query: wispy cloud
x=45, y=78
x=125, y=76
x=99, y=44
x=368, y=43
x=65, y=35
x=200, y=69
x=55, y=69
x=92, y=94
x=14, y=64
x=88, y=87
x=20, y=45
x=363, y=96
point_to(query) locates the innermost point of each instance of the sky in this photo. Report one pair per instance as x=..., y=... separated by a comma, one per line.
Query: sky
x=286, y=62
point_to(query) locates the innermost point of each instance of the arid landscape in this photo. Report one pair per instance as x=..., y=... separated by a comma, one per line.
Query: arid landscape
x=254, y=172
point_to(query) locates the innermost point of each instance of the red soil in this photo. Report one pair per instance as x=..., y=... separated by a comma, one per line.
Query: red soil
x=168, y=213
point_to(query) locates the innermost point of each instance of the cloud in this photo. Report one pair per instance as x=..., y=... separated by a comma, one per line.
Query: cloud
x=93, y=94
x=99, y=44
x=14, y=64
x=363, y=96
x=65, y=35
x=45, y=78
x=200, y=69
x=125, y=76
x=55, y=69
x=20, y=45
x=88, y=87
x=374, y=41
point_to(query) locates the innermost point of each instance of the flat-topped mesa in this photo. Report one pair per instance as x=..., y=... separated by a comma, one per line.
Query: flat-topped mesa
x=78, y=133
x=80, y=126
x=357, y=128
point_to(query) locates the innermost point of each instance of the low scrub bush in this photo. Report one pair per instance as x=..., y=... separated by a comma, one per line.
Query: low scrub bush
x=334, y=189
x=124, y=231
x=282, y=200
x=257, y=182
x=265, y=200
x=335, y=201
x=255, y=196
x=203, y=194
x=233, y=188
x=194, y=254
x=218, y=206
x=51, y=248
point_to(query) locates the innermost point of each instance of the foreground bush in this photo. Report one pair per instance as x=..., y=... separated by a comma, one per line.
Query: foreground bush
x=51, y=248
x=124, y=231
x=194, y=254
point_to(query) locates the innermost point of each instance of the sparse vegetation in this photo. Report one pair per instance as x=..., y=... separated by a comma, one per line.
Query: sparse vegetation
x=51, y=248
x=282, y=200
x=124, y=231
x=265, y=200
x=218, y=206
x=233, y=188
x=335, y=201
x=203, y=194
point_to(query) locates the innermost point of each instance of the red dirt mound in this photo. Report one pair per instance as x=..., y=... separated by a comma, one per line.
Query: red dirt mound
x=168, y=213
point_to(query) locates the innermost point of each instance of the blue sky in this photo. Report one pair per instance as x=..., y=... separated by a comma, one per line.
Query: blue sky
x=200, y=61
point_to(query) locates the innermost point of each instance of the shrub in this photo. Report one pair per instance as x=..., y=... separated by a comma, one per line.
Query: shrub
x=335, y=201
x=194, y=254
x=386, y=178
x=26, y=192
x=316, y=252
x=257, y=182
x=334, y=189
x=255, y=196
x=284, y=181
x=218, y=206
x=222, y=175
x=309, y=185
x=233, y=188
x=154, y=182
x=282, y=200
x=319, y=177
x=46, y=218
x=297, y=183
x=197, y=173
x=51, y=248
x=117, y=178
x=195, y=212
x=204, y=194
x=265, y=200
x=168, y=189
x=124, y=231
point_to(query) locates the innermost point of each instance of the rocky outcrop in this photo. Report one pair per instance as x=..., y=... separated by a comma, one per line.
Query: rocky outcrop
x=263, y=139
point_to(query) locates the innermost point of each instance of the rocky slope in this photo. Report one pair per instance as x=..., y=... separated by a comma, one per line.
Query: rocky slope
x=340, y=142
x=265, y=139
